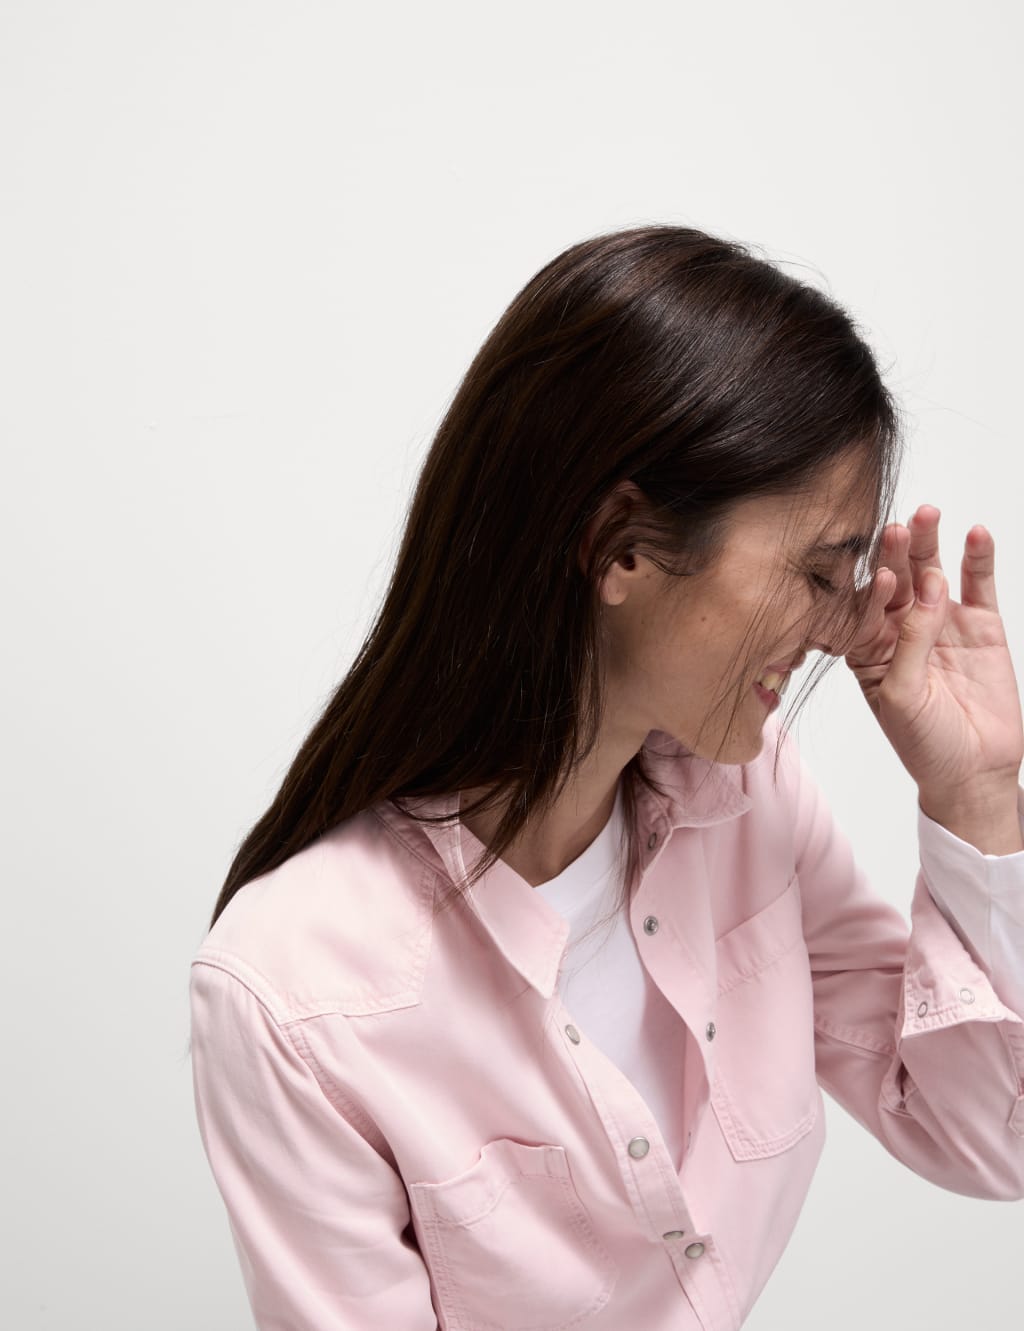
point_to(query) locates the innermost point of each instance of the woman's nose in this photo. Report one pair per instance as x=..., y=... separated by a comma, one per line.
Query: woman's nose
x=832, y=629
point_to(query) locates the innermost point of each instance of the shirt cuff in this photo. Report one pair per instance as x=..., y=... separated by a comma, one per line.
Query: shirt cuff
x=982, y=898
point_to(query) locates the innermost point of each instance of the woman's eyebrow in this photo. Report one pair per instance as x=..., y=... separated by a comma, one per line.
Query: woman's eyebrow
x=850, y=545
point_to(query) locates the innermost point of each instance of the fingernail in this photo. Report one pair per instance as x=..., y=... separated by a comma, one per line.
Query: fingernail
x=931, y=587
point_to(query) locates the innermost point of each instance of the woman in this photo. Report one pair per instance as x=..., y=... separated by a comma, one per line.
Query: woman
x=517, y=1000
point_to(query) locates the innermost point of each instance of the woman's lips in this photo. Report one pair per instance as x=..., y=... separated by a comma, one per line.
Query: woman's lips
x=774, y=682
x=769, y=697
x=775, y=677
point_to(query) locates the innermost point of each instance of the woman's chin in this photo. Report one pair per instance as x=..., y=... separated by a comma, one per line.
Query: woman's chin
x=736, y=749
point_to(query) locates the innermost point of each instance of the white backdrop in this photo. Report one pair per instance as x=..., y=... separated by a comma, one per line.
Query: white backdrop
x=248, y=251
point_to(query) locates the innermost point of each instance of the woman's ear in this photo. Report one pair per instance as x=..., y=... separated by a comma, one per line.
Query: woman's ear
x=625, y=497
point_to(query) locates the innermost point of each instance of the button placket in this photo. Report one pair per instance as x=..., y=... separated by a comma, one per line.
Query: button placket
x=650, y=1182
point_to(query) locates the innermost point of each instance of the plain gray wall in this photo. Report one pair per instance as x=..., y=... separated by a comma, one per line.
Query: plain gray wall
x=248, y=251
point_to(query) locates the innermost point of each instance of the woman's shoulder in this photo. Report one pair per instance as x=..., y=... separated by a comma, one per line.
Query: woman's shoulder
x=341, y=926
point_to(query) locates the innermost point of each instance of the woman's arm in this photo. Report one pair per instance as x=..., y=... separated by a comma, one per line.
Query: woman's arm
x=317, y=1214
x=911, y=1035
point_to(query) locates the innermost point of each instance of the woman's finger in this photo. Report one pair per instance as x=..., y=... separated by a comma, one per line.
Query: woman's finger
x=924, y=541
x=906, y=681
x=872, y=623
x=895, y=555
x=978, y=570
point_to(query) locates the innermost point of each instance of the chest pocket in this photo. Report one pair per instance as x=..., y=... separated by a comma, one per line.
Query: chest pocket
x=509, y=1244
x=763, y=1090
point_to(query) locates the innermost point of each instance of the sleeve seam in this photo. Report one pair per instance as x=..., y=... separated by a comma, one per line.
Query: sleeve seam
x=295, y=1039
x=249, y=978
x=332, y=1092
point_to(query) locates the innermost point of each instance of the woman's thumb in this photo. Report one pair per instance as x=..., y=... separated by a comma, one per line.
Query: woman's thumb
x=907, y=676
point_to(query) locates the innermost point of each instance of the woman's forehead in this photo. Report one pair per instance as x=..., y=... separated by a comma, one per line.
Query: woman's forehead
x=833, y=518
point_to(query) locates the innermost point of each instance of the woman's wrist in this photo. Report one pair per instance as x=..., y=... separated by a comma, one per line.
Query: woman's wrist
x=991, y=823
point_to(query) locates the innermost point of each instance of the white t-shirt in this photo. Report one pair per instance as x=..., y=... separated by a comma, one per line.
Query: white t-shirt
x=604, y=986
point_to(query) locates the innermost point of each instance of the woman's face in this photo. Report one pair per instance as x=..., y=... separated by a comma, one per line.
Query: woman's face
x=678, y=649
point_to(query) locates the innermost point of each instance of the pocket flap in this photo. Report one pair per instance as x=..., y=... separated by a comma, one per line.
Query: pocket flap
x=473, y=1194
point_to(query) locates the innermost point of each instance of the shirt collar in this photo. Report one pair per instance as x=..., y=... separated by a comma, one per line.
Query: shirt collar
x=528, y=931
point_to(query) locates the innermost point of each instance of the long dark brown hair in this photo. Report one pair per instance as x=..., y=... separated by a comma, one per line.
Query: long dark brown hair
x=659, y=355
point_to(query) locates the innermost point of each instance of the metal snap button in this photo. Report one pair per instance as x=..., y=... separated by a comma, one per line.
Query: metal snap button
x=573, y=1034
x=695, y=1250
x=651, y=924
x=967, y=995
x=674, y=1234
x=922, y=1008
x=652, y=841
x=711, y=1030
x=638, y=1147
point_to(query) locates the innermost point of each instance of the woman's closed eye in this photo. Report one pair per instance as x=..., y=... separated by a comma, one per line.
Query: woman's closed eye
x=823, y=584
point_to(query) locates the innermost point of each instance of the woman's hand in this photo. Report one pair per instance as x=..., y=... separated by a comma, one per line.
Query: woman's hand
x=938, y=676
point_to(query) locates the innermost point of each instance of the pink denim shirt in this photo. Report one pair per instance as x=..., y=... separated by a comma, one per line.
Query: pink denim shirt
x=409, y=1131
